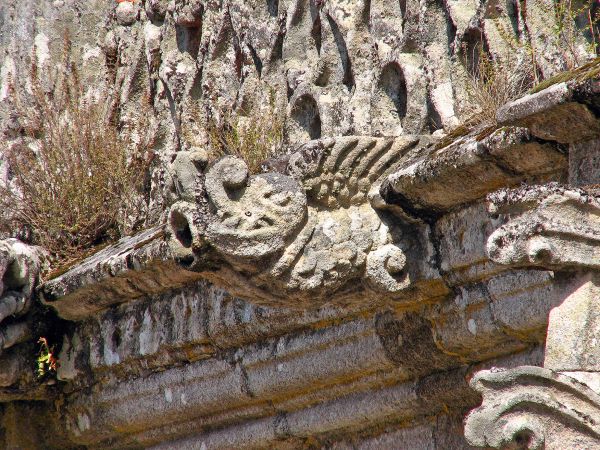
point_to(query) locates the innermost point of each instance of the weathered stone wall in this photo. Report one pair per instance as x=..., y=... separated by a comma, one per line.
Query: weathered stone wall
x=332, y=68
x=386, y=277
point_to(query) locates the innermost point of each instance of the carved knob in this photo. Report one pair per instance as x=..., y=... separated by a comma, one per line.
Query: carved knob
x=385, y=269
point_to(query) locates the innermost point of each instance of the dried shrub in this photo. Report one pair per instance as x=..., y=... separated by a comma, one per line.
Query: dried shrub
x=493, y=83
x=76, y=178
x=253, y=136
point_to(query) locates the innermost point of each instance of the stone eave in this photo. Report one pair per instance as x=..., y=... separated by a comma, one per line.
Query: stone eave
x=133, y=267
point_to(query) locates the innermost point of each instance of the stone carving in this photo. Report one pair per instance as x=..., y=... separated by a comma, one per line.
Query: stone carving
x=533, y=408
x=20, y=265
x=550, y=226
x=255, y=215
x=312, y=226
x=557, y=406
x=19, y=268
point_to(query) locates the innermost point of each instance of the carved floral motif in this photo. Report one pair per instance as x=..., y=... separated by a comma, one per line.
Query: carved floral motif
x=314, y=227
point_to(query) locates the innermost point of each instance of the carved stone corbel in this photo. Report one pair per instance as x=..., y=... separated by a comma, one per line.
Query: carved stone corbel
x=311, y=229
x=558, y=406
x=533, y=408
x=550, y=226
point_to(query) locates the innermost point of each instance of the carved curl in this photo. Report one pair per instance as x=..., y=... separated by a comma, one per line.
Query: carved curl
x=532, y=408
x=255, y=215
x=385, y=267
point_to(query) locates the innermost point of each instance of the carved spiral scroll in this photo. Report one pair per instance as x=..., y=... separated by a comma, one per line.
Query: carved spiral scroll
x=530, y=407
x=254, y=216
x=550, y=226
x=385, y=269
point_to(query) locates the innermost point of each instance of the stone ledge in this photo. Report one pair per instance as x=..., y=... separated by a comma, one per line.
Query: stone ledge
x=558, y=113
x=135, y=266
x=471, y=167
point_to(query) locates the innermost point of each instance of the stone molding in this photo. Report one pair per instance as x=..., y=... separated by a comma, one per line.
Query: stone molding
x=20, y=266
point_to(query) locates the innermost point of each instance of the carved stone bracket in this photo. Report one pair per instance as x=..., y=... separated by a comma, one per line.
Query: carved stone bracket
x=558, y=406
x=313, y=226
x=550, y=226
x=533, y=408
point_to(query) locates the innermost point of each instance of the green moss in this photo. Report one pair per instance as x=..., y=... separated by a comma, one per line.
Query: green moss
x=457, y=132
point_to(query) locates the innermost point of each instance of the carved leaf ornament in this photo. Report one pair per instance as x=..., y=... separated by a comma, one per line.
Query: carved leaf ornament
x=533, y=408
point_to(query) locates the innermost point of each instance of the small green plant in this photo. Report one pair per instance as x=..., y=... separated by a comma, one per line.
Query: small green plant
x=252, y=135
x=46, y=360
x=76, y=177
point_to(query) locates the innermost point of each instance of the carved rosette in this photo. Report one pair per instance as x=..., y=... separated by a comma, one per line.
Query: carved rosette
x=254, y=216
x=533, y=408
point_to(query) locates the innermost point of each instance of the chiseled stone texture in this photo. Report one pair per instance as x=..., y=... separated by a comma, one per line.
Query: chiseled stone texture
x=177, y=364
x=20, y=266
x=158, y=356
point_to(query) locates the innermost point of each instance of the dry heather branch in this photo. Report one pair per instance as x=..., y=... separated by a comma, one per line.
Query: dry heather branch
x=494, y=83
x=75, y=177
x=253, y=136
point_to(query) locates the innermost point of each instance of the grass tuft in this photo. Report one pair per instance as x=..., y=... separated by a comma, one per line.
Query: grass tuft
x=76, y=179
x=252, y=135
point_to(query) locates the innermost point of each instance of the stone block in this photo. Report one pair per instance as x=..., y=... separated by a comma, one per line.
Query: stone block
x=461, y=238
x=584, y=163
x=552, y=114
x=574, y=329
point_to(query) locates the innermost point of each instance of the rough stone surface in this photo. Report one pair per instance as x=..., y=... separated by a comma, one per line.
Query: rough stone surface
x=344, y=297
x=544, y=220
x=134, y=267
x=573, y=330
x=553, y=114
x=472, y=166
